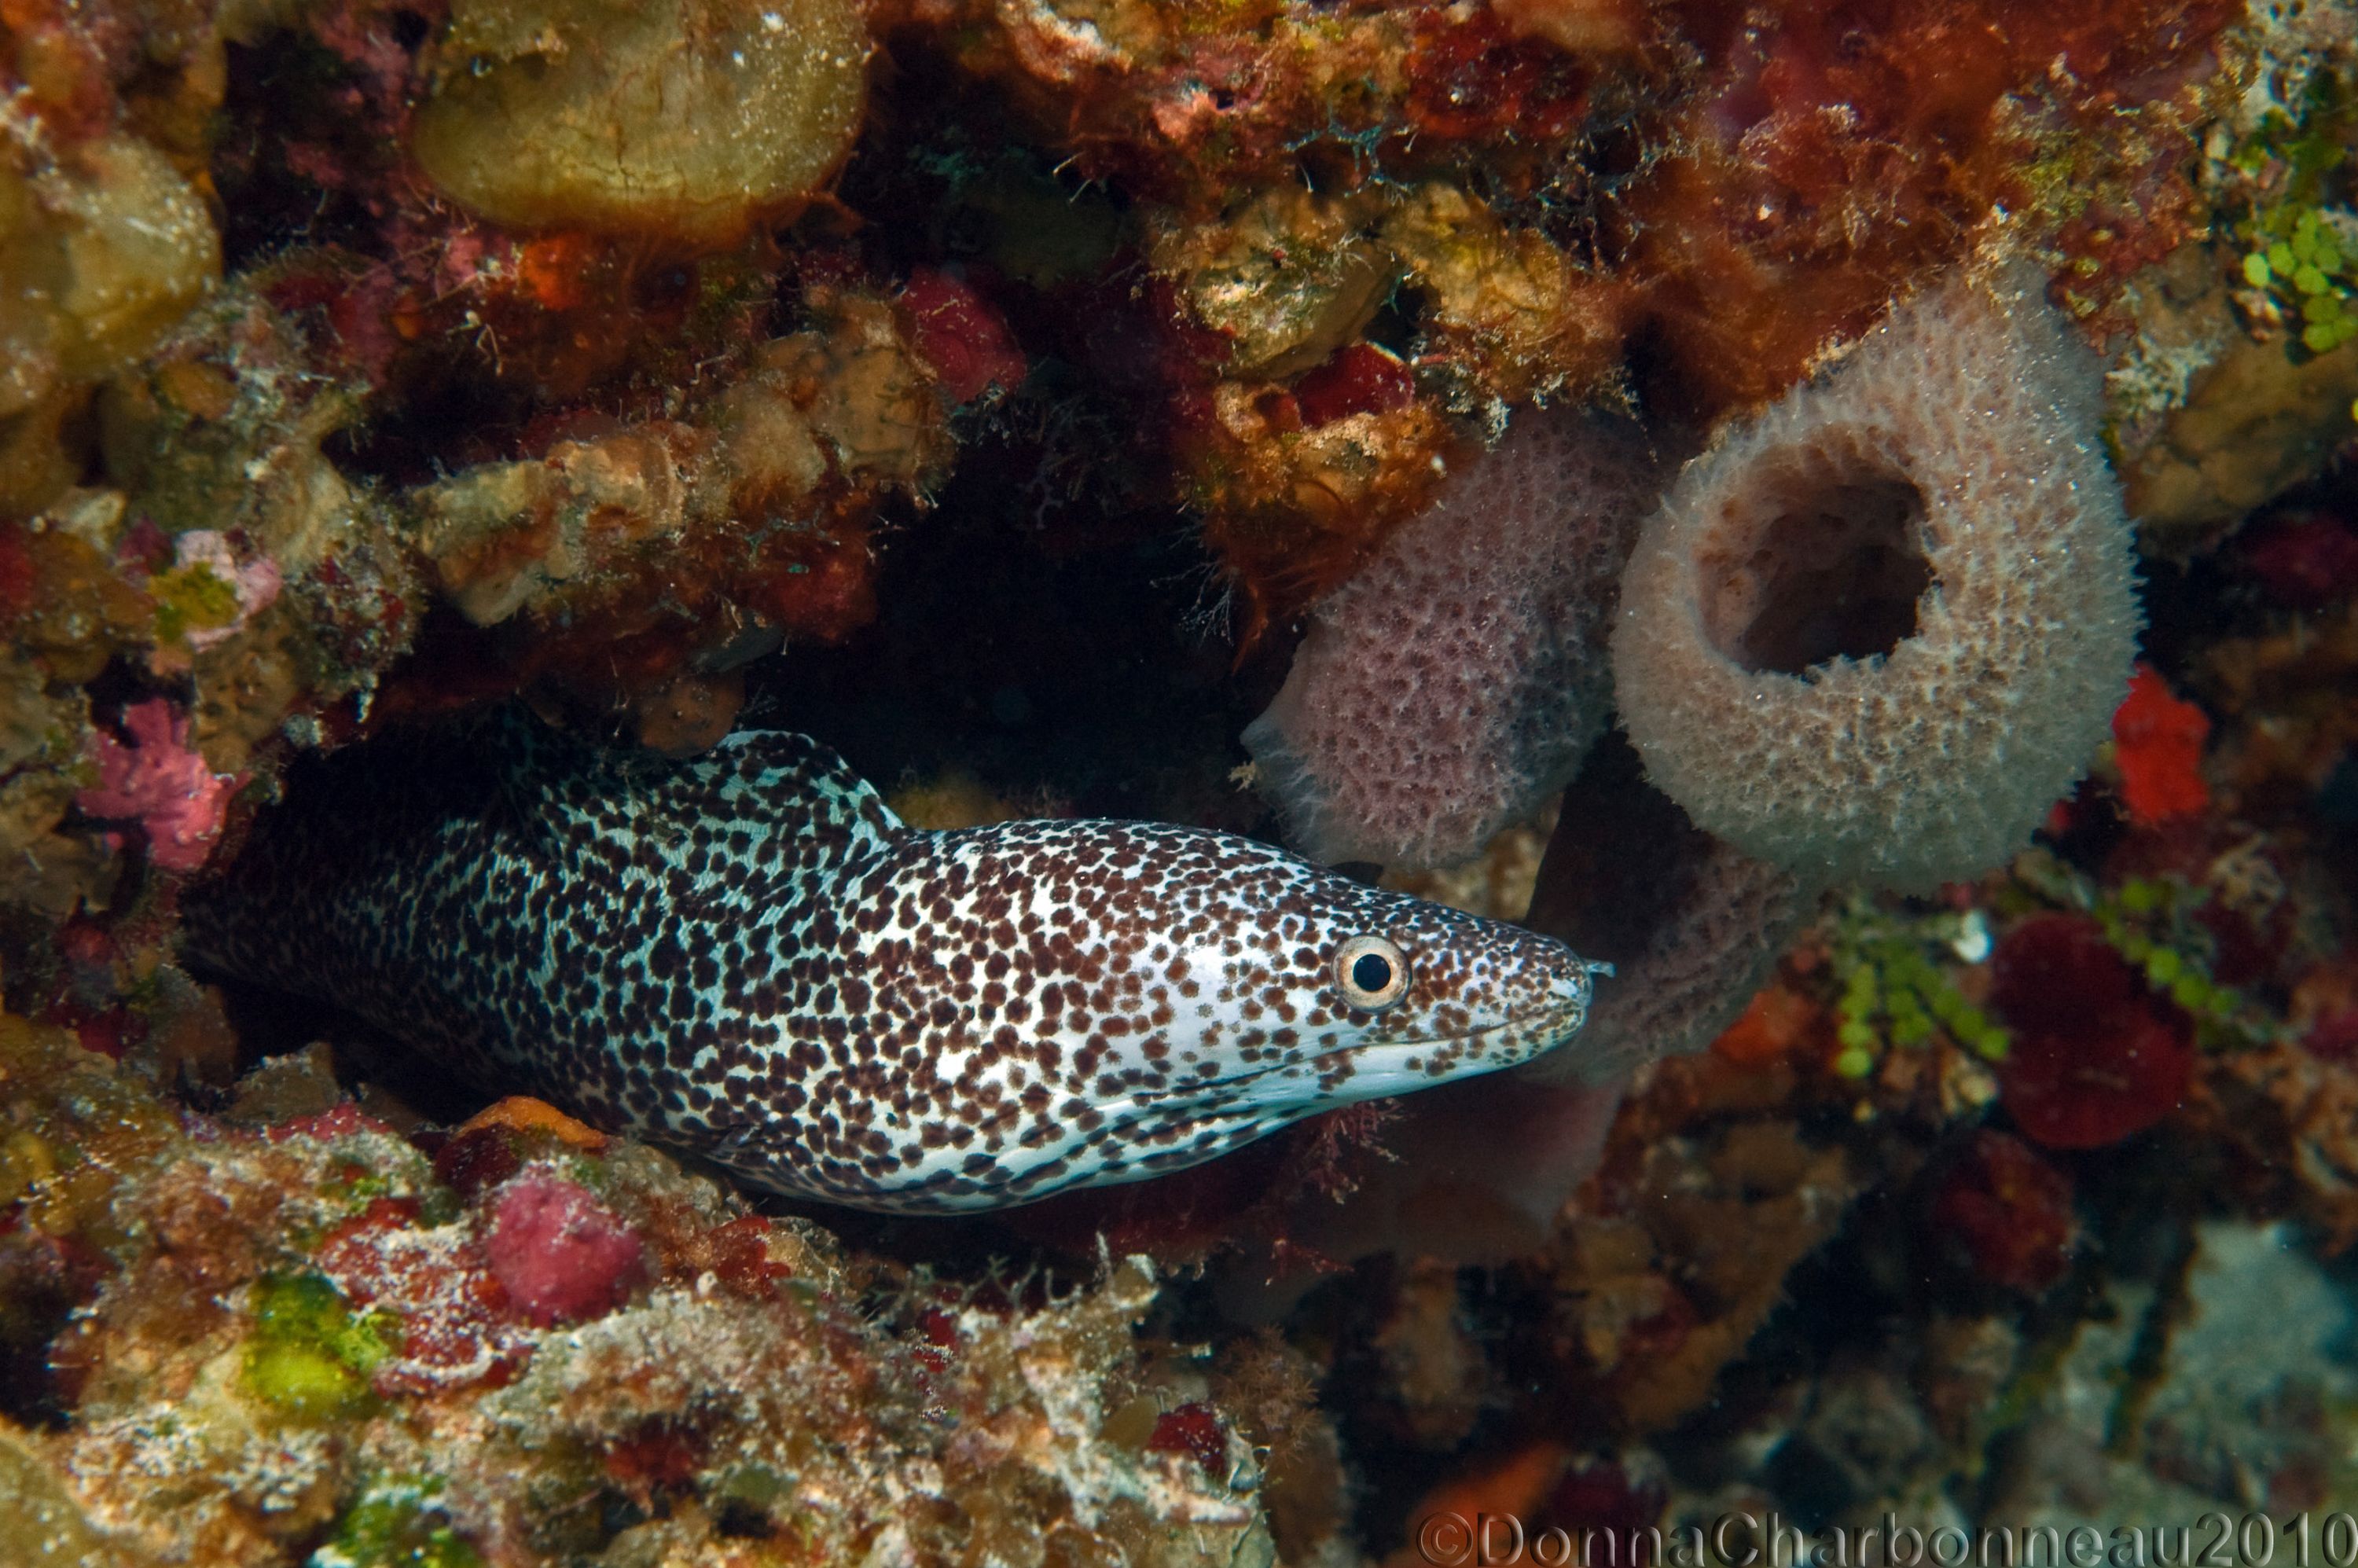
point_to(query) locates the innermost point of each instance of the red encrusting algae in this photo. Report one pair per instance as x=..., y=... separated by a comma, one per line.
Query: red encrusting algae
x=1360, y=378
x=2010, y=1209
x=954, y=330
x=2157, y=741
x=2306, y=558
x=1194, y=1430
x=157, y=780
x=560, y=1253
x=2095, y=1055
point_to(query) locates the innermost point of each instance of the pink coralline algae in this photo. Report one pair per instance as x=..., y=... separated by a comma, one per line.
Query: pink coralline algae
x=1457, y=679
x=562, y=1255
x=160, y=782
x=1874, y=635
x=456, y=1327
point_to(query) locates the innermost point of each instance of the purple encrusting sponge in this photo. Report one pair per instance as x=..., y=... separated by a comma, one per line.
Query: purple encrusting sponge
x=1457, y=679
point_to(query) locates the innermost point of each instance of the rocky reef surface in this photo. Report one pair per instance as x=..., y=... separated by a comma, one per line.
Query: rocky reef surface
x=1699, y=479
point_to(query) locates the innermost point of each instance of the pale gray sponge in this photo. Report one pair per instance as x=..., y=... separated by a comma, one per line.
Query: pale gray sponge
x=1939, y=495
x=1456, y=679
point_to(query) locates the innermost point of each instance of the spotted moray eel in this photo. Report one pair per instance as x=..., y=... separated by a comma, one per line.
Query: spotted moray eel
x=749, y=957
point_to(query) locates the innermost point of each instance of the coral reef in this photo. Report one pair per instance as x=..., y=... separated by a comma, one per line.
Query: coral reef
x=221, y=557
x=107, y=246
x=310, y=1333
x=2248, y=365
x=1877, y=632
x=1019, y=397
x=2250, y=1356
x=1458, y=679
x=2253, y=423
x=1826, y=159
x=1867, y=158
x=1297, y=482
x=688, y=547
x=1737, y=1207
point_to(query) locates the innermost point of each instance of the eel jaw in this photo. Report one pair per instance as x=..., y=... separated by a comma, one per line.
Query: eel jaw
x=1386, y=1068
x=1243, y=1109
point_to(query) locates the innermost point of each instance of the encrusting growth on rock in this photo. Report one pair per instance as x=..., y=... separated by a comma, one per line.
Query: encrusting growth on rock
x=1877, y=632
x=689, y=120
x=1002, y=392
x=307, y=1340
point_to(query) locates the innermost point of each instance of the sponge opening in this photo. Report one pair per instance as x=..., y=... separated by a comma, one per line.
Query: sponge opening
x=1821, y=559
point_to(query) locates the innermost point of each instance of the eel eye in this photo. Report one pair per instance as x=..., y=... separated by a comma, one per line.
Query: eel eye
x=1371, y=973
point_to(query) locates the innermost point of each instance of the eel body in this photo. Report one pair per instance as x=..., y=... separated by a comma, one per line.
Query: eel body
x=747, y=955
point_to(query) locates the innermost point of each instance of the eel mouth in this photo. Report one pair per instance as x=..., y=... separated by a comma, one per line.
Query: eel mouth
x=1412, y=1064
x=1383, y=1068
x=1201, y=1120
x=1193, y=1123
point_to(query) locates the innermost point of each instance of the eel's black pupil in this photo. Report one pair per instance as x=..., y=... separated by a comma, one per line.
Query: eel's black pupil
x=1371, y=972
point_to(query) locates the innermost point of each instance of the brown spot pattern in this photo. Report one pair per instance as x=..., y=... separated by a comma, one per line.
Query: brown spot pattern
x=747, y=955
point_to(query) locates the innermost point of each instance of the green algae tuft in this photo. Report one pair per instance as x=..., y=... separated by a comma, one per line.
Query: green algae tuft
x=310, y=1356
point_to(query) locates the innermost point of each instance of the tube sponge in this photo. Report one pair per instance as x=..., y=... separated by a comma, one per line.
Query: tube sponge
x=1876, y=633
x=1458, y=677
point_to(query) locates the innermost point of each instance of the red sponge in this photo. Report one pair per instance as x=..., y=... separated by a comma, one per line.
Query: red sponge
x=560, y=1253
